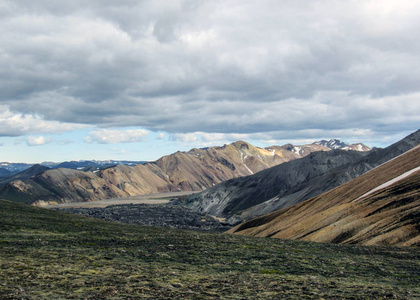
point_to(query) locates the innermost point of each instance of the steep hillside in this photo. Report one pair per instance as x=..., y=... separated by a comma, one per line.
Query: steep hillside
x=240, y=194
x=380, y=207
x=291, y=182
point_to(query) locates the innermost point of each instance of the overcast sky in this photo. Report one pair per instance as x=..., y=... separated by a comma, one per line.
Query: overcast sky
x=140, y=79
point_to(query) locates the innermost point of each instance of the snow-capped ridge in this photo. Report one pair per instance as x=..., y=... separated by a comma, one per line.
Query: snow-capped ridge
x=337, y=144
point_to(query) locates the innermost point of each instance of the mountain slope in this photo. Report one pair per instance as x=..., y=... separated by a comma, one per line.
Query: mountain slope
x=292, y=182
x=356, y=212
x=60, y=185
x=239, y=194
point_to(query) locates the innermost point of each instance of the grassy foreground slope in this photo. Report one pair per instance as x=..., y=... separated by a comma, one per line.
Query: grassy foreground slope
x=53, y=255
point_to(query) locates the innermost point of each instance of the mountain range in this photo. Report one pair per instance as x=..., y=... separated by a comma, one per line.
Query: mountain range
x=8, y=169
x=291, y=183
x=195, y=170
x=309, y=192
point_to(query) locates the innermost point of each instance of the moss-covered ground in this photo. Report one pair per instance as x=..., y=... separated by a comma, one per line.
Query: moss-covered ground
x=53, y=255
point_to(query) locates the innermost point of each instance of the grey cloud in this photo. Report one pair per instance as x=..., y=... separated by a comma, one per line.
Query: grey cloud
x=213, y=66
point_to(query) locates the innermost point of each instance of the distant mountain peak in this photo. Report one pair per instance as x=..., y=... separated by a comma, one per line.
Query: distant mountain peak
x=337, y=144
x=332, y=144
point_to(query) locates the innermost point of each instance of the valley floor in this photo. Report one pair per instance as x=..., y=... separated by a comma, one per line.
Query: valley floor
x=46, y=254
x=158, y=198
x=161, y=215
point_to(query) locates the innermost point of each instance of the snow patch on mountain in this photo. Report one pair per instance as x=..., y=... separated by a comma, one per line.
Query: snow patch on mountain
x=297, y=149
x=243, y=161
x=332, y=144
x=390, y=182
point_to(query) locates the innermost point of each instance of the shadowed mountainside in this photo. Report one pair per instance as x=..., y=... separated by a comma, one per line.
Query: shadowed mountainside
x=380, y=207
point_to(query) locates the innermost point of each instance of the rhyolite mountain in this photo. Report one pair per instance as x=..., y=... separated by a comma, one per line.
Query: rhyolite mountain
x=380, y=207
x=290, y=183
x=195, y=170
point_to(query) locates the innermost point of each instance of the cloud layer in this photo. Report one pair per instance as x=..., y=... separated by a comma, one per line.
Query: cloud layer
x=263, y=69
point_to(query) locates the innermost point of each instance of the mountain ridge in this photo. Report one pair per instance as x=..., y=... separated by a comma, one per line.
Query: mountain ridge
x=337, y=144
x=193, y=170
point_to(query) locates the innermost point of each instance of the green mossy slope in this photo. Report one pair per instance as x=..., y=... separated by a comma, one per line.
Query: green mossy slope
x=53, y=255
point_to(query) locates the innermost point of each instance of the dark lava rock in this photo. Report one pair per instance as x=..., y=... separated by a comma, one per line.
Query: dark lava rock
x=153, y=215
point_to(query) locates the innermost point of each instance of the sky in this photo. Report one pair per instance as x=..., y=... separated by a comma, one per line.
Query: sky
x=136, y=80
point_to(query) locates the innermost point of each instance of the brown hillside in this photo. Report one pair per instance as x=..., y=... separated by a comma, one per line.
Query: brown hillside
x=195, y=170
x=389, y=216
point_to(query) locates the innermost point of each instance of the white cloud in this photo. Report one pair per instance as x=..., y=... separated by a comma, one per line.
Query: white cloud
x=160, y=136
x=107, y=136
x=15, y=124
x=38, y=140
